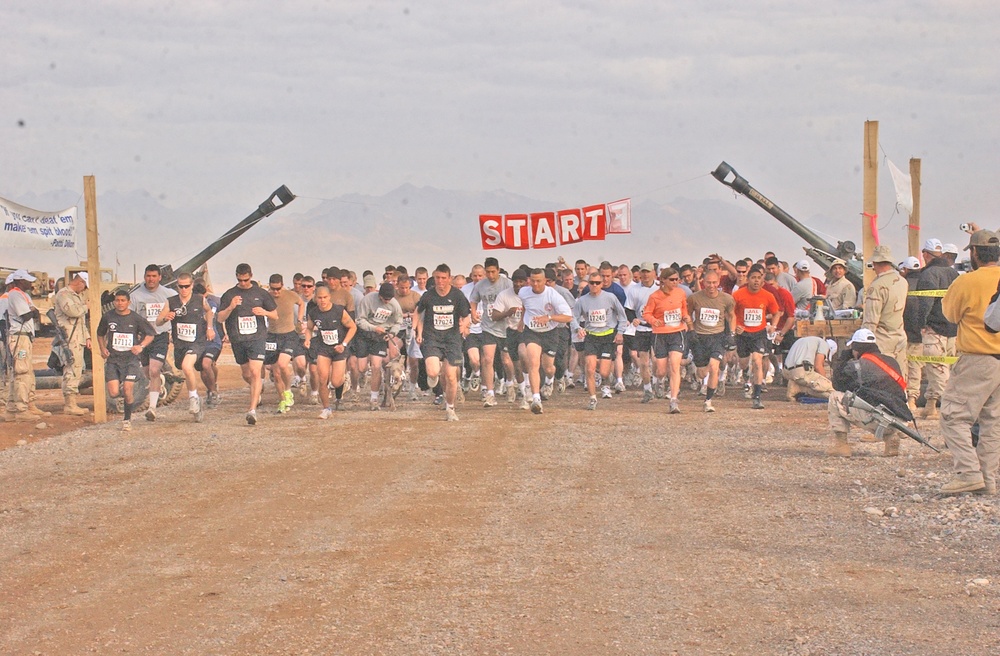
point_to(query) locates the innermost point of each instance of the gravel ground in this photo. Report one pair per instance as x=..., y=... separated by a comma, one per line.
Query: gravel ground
x=624, y=531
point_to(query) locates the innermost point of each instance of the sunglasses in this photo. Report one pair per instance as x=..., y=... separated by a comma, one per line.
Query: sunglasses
x=238, y=279
x=307, y=286
x=593, y=282
x=674, y=279
x=183, y=286
x=275, y=289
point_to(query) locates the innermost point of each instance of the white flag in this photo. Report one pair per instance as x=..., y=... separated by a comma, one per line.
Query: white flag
x=23, y=227
x=904, y=189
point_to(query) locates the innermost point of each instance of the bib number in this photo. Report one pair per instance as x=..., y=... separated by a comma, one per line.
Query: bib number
x=597, y=318
x=444, y=321
x=381, y=315
x=187, y=332
x=122, y=341
x=330, y=337
x=270, y=346
x=153, y=311
x=672, y=318
x=753, y=317
x=709, y=317
x=247, y=325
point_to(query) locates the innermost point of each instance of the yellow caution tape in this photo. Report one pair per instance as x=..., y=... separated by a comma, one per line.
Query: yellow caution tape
x=933, y=359
x=933, y=293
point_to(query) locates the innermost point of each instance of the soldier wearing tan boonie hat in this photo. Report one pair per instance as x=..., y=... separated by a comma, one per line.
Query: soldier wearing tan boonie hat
x=885, y=299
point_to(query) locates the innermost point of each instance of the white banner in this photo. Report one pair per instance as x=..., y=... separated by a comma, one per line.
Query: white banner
x=23, y=227
x=904, y=188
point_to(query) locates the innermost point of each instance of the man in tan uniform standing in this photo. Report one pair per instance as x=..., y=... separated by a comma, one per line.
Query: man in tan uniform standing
x=840, y=292
x=885, y=300
x=71, y=314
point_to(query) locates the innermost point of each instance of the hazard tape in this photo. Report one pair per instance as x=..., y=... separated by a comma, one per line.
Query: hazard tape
x=933, y=293
x=933, y=359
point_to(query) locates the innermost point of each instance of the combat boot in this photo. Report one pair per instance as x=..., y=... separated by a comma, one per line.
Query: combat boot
x=70, y=406
x=931, y=409
x=11, y=417
x=36, y=411
x=839, y=446
x=891, y=447
x=911, y=403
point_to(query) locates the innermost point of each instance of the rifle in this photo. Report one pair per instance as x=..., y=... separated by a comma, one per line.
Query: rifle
x=60, y=345
x=885, y=419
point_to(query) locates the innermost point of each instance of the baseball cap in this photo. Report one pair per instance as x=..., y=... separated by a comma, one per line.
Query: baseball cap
x=20, y=274
x=862, y=336
x=802, y=265
x=882, y=254
x=910, y=263
x=84, y=276
x=933, y=246
x=386, y=291
x=833, y=346
x=369, y=281
x=978, y=238
x=950, y=248
x=647, y=266
x=838, y=262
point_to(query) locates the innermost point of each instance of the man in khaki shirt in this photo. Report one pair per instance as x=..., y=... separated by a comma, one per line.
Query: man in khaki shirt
x=71, y=315
x=885, y=300
x=840, y=292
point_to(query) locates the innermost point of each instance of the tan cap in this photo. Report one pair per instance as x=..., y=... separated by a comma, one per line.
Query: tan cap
x=882, y=254
x=647, y=266
x=983, y=238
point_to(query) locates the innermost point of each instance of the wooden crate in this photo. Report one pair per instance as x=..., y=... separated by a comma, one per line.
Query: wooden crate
x=835, y=328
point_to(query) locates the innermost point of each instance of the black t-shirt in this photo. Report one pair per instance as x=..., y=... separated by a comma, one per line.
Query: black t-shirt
x=871, y=382
x=123, y=331
x=329, y=327
x=188, y=325
x=243, y=325
x=441, y=314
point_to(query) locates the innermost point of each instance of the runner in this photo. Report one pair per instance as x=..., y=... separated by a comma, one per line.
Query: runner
x=714, y=314
x=242, y=309
x=601, y=320
x=329, y=332
x=494, y=332
x=213, y=348
x=754, y=307
x=667, y=313
x=124, y=334
x=508, y=309
x=474, y=340
x=379, y=319
x=149, y=301
x=407, y=299
x=543, y=308
x=640, y=342
x=191, y=321
x=443, y=321
x=283, y=339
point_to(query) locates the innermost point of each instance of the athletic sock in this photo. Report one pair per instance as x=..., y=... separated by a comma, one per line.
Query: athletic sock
x=648, y=387
x=153, y=398
x=128, y=411
x=339, y=391
x=549, y=380
x=756, y=391
x=709, y=393
x=536, y=397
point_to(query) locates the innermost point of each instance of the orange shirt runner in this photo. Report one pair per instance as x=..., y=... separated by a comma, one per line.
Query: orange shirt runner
x=667, y=313
x=752, y=309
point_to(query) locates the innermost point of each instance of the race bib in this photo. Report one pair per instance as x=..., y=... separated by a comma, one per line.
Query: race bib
x=122, y=341
x=444, y=321
x=270, y=346
x=597, y=318
x=153, y=310
x=407, y=321
x=330, y=337
x=489, y=311
x=381, y=315
x=187, y=332
x=672, y=318
x=518, y=313
x=534, y=324
x=709, y=317
x=753, y=317
x=247, y=325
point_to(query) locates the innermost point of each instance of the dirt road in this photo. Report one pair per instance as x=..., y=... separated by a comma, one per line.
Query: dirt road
x=625, y=531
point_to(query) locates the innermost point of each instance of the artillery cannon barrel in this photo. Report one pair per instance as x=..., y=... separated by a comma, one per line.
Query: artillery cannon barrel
x=281, y=197
x=845, y=250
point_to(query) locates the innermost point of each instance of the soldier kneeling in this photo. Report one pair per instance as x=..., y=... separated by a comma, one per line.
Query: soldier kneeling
x=875, y=378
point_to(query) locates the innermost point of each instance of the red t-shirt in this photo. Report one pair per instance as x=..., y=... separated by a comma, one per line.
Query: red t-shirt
x=752, y=309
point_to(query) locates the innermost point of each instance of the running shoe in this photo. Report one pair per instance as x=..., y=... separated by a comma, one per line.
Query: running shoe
x=708, y=406
x=314, y=398
x=151, y=415
x=252, y=417
x=213, y=400
x=474, y=382
x=592, y=403
x=289, y=398
x=326, y=414
x=490, y=401
x=449, y=414
x=194, y=405
x=536, y=407
x=546, y=391
x=647, y=396
x=606, y=392
x=675, y=409
x=619, y=387
x=757, y=405
x=126, y=426
x=512, y=394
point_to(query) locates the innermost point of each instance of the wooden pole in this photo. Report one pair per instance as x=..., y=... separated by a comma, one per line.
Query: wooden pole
x=94, y=298
x=913, y=242
x=870, y=204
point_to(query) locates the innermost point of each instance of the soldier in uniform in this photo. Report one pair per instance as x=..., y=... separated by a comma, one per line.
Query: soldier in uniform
x=22, y=319
x=885, y=300
x=840, y=292
x=71, y=315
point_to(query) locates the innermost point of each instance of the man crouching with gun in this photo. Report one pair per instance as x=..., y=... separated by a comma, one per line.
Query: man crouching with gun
x=870, y=392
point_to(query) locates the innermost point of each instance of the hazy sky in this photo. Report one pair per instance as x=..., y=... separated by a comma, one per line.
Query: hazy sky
x=214, y=104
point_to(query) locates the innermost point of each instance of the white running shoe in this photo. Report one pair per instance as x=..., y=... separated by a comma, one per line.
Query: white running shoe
x=606, y=392
x=592, y=403
x=252, y=417
x=449, y=414
x=194, y=405
x=546, y=392
x=490, y=401
x=708, y=406
x=619, y=387
x=512, y=394
x=326, y=414
x=536, y=407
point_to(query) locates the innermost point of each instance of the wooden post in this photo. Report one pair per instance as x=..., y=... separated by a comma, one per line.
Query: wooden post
x=870, y=204
x=94, y=298
x=913, y=243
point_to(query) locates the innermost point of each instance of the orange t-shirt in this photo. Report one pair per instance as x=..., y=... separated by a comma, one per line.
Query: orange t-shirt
x=671, y=309
x=752, y=309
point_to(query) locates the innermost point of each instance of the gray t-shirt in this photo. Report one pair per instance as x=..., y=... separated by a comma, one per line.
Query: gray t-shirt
x=485, y=293
x=148, y=304
x=599, y=314
x=805, y=349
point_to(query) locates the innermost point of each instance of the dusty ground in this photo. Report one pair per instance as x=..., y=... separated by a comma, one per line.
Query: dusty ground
x=625, y=531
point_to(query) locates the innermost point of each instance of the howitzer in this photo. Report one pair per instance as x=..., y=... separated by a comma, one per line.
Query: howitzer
x=885, y=419
x=822, y=251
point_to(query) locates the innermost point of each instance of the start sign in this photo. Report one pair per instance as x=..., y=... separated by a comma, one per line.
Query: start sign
x=551, y=229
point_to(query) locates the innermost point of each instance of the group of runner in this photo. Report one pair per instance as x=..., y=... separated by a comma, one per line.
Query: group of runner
x=524, y=334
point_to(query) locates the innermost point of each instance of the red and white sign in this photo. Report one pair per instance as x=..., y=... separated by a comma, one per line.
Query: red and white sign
x=551, y=229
